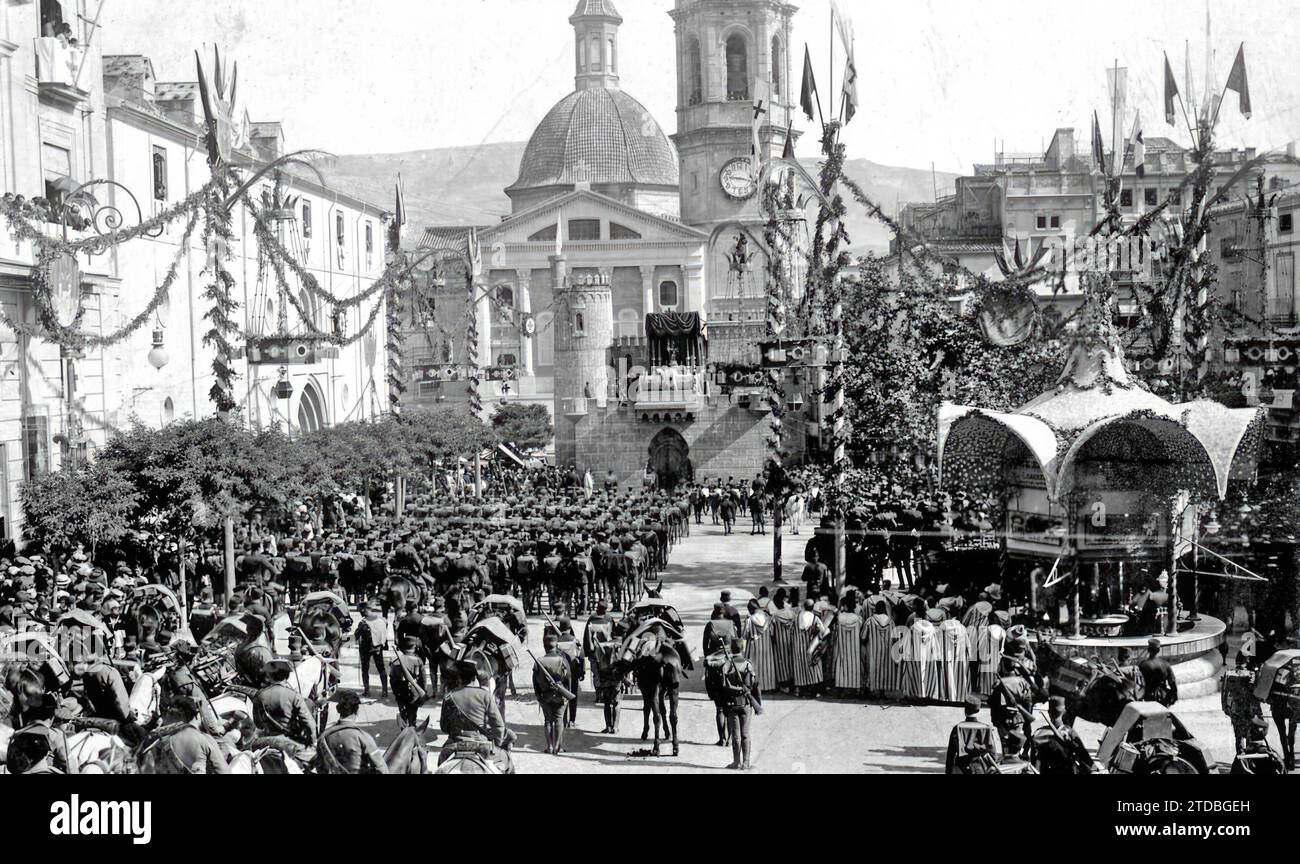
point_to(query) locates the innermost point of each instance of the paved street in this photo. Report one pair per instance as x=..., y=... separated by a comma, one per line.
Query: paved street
x=793, y=735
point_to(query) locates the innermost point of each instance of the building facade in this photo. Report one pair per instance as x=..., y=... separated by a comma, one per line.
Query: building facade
x=609, y=293
x=71, y=117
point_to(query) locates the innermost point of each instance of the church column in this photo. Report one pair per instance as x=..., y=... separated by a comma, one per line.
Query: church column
x=647, y=292
x=524, y=279
x=693, y=287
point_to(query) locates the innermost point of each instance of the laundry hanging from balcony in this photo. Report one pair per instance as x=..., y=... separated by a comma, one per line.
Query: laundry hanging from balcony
x=676, y=337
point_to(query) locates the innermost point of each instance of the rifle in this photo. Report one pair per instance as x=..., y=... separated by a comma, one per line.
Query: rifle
x=568, y=694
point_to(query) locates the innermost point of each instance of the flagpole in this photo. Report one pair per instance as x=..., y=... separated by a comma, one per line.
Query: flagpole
x=1224, y=92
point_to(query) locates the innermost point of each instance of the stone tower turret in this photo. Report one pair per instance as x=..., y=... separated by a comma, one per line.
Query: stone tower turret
x=595, y=25
x=584, y=330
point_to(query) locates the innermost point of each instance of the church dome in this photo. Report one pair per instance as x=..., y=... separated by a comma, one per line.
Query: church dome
x=600, y=136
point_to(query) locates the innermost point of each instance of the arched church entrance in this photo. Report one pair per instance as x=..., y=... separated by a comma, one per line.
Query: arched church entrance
x=670, y=459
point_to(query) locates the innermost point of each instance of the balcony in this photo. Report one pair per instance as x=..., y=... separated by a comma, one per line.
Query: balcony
x=670, y=395
x=58, y=70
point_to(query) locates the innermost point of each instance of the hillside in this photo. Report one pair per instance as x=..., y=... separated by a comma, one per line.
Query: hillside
x=464, y=185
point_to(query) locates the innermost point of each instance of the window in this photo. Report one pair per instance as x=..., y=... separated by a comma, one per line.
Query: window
x=1056, y=221
x=340, y=229
x=1151, y=197
x=737, y=68
x=159, y=174
x=1281, y=301
x=594, y=57
x=694, y=73
x=306, y=220
x=51, y=17
x=668, y=294
x=1176, y=198
x=1285, y=223
x=778, y=64
x=1126, y=197
x=579, y=325
x=370, y=238
x=57, y=166
x=36, y=448
x=506, y=296
x=629, y=323
x=622, y=232
x=613, y=61
x=584, y=229
x=1041, y=223
x=581, y=48
x=547, y=234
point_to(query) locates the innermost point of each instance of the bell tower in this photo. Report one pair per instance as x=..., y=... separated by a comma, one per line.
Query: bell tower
x=728, y=52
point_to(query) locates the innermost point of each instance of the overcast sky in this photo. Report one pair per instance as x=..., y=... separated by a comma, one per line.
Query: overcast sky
x=941, y=79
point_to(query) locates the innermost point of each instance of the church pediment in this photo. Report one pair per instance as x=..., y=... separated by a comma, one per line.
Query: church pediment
x=619, y=222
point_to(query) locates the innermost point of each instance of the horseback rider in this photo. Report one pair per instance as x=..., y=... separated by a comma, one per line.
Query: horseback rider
x=472, y=721
x=280, y=710
x=186, y=748
x=179, y=681
x=346, y=748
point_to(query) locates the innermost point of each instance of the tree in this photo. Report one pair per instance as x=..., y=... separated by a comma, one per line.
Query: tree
x=86, y=506
x=524, y=425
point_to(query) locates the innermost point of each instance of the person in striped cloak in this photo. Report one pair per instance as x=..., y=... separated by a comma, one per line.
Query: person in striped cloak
x=989, y=642
x=783, y=640
x=918, y=661
x=884, y=672
x=809, y=629
x=760, y=646
x=954, y=661
x=847, y=650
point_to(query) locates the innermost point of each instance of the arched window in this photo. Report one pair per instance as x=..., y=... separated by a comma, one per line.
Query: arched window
x=613, y=58
x=629, y=323
x=668, y=295
x=595, y=54
x=694, y=73
x=169, y=410
x=737, y=68
x=311, y=409
x=778, y=66
x=310, y=312
x=582, y=54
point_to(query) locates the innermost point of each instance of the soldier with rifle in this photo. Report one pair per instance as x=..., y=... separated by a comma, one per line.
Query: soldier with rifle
x=407, y=676
x=1011, y=706
x=742, y=701
x=1056, y=748
x=554, y=685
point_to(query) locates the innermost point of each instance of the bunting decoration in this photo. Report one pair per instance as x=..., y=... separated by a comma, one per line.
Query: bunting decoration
x=472, y=272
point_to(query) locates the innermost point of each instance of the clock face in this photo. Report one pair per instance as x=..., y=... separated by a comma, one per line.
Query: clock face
x=737, y=179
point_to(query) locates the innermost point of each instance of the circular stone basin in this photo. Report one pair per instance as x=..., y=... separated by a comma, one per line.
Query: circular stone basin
x=1109, y=625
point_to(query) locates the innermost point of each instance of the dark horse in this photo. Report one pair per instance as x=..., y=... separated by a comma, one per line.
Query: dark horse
x=407, y=754
x=657, y=669
x=397, y=591
x=1093, y=690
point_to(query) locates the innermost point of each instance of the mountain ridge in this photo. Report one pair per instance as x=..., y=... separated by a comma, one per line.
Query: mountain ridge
x=465, y=185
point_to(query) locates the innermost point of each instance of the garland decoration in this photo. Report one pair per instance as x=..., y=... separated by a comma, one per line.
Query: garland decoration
x=396, y=378
x=217, y=237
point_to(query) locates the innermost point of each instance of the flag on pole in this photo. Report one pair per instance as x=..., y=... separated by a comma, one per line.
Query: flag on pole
x=399, y=217
x=850, y=89
x=1098, y=145
x=1117, y=82
x=843, y=26
x=1237, y=81
x=1171, y=92
x=475, y=253
x=787, y=152
x=559, y=234
x=809, y=89
x=1138, y=145
x=762, y=109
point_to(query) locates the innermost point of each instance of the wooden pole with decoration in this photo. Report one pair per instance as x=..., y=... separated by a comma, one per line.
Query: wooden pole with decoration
x=473, y=268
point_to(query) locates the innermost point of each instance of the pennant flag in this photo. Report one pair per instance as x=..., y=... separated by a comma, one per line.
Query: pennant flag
x=398, y=228
x=788, y=151
x=1138, y=145
x=762, y=108
x=843, y=26
x=1171, y=92
x=850, y=90
x=809, y=89
x=1237, y=81
x=1098, y=145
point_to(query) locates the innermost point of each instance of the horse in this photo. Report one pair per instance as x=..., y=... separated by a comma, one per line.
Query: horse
x=407, y=754
x=333, y=629
x=1094, y=691
x=656, y=667
x=397, y=591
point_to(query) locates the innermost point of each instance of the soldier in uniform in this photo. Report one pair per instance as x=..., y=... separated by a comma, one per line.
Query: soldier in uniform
x=743, y=701
x=554, y=684
x=1056, y=748
x=599, y=643
x=280, y=710
x=179, y=681
x=471, y=720
x=407, y=677
x=346, y=748
x=1011, y=705
x=971, y=741
x=188, y=749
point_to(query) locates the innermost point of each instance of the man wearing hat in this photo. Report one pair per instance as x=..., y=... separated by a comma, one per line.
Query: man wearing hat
x=346, y=748
x=599, y=643
x=741, y=701
x=407, y=676
x=188, y=749
x=472, y=721
x=46, y=721
x=971, y=741
x=1011, y=705
x=1158, y=681
x=278, y=709
x=179, y=681
x=1056, y=748
x=555, y=685
x=372, y=638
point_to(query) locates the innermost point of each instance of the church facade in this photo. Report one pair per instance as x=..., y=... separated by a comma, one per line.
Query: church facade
x=609, y=293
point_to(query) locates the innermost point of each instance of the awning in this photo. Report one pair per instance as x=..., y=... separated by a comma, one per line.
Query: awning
x=675, y=336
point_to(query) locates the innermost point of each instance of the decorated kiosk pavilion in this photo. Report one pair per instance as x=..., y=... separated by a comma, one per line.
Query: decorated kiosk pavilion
x=1105, y=485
